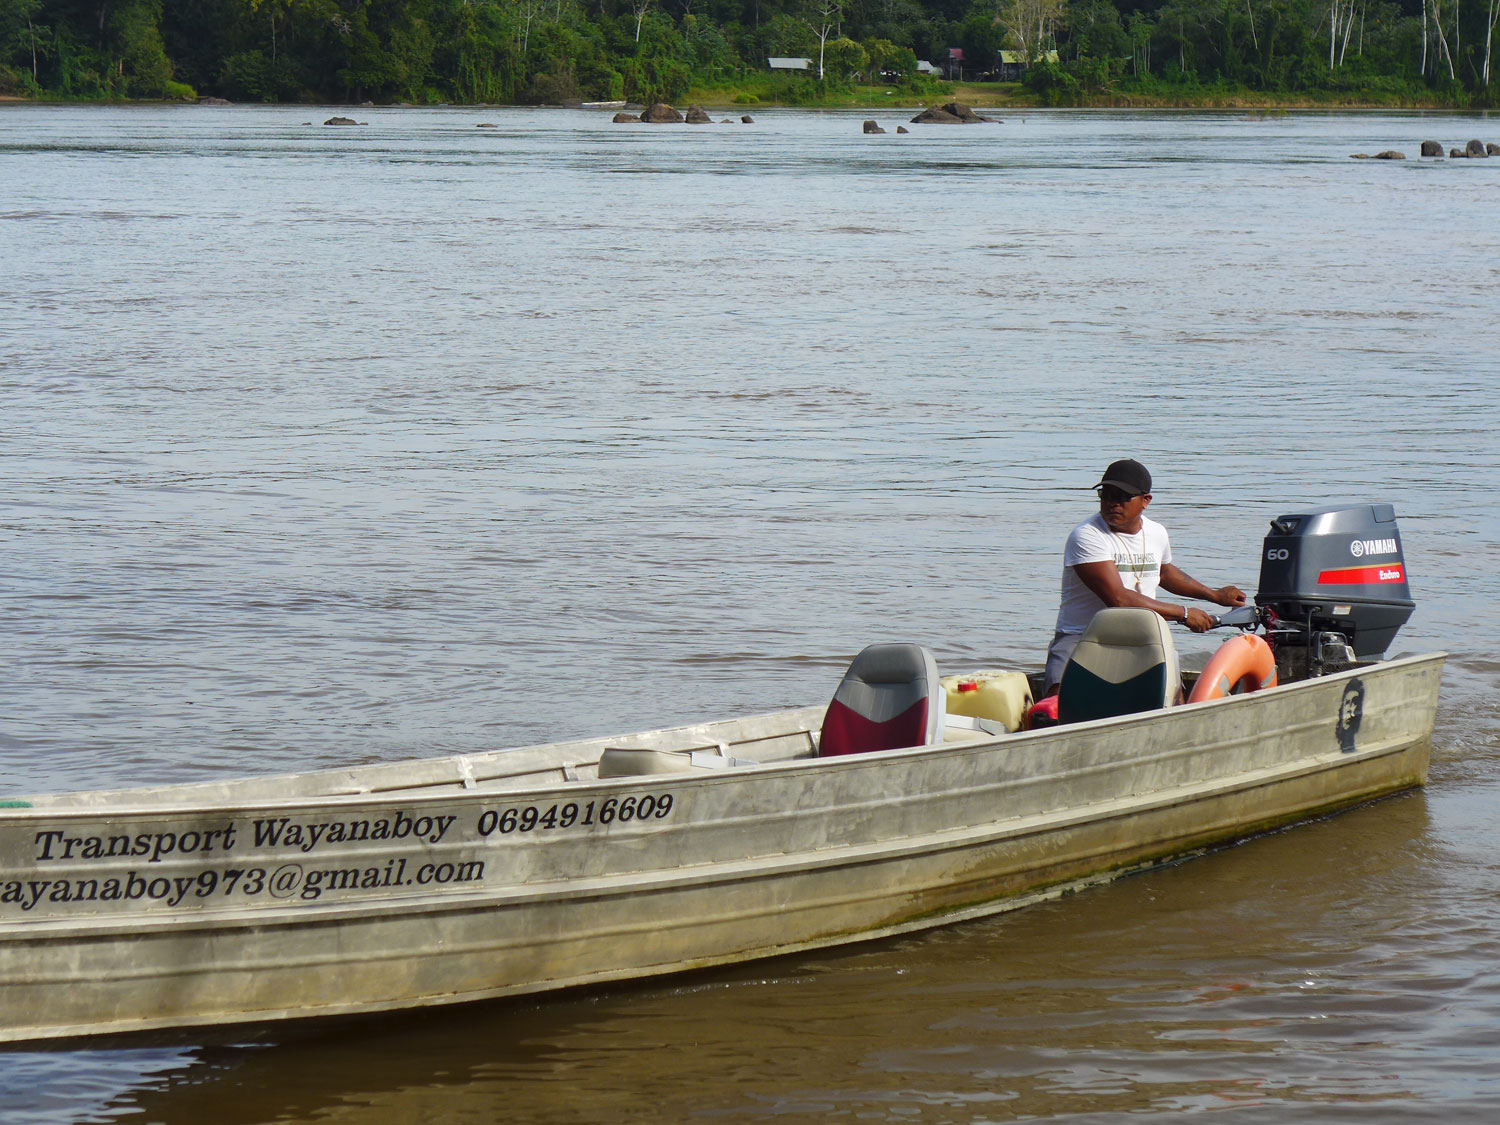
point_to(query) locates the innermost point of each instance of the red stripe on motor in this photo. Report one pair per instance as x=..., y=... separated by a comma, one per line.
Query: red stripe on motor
x=1362, y=575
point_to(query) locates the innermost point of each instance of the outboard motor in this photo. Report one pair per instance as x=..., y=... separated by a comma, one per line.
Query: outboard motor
x=1332, y=588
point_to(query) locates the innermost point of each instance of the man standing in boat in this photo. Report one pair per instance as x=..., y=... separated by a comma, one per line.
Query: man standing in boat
x=1118, y=557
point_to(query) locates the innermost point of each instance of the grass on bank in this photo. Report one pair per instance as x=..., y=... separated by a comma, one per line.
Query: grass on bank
x=805, y=92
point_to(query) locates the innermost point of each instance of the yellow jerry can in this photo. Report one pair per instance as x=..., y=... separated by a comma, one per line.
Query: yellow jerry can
x=990, y=694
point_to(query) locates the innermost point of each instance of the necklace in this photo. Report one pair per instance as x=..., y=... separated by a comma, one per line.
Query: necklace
x=1137, y=566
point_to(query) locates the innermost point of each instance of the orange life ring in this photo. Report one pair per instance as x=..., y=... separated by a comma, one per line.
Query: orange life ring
x=1243, y=663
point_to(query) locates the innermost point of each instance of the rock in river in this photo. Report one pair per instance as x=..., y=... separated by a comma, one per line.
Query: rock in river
x=950, y=113
x=660, y=112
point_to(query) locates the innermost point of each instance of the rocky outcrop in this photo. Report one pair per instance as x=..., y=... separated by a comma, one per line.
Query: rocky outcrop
x=661, y=113
x=747, y=120
x=1472, y=150
x=621, y=118
x=214, y=101
x=936, y=116
x=950, y=113
x=1388, y=154
x=486, y=125
x=697, y=115
x=873, y=127
x=341, y=121
x=902, y=129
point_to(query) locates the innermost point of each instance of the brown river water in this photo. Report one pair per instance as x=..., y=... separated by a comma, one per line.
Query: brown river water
x=325, y=446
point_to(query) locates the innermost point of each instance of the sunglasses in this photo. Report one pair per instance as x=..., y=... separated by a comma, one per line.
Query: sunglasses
x=1111, y=495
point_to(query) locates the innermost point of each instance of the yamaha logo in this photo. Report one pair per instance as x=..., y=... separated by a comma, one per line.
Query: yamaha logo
x=1362, y=547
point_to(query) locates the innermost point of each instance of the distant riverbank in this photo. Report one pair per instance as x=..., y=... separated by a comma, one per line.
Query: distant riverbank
x=980, y=95
x=1002, y=95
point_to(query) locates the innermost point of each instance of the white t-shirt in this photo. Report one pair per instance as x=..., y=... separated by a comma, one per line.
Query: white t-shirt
x=1140, y=558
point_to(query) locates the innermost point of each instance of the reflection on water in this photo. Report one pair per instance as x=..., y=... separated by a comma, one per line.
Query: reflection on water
x=420, y=439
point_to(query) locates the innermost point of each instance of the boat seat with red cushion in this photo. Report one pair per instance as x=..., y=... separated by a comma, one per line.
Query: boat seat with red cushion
x=889, y=698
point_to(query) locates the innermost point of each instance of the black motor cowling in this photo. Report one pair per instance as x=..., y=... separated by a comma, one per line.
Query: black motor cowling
x=1334, y=583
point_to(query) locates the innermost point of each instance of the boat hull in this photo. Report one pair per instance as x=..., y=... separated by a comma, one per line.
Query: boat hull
x=460, y=887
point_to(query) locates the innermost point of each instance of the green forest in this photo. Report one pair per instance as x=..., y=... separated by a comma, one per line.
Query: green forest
x=1062, y=52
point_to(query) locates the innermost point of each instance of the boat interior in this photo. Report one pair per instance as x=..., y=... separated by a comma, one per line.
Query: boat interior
x=890, y=697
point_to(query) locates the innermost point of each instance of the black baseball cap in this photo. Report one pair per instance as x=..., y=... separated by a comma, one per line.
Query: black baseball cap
x=1128, y=476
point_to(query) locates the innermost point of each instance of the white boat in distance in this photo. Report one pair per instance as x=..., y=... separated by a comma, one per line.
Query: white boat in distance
x=520, y=871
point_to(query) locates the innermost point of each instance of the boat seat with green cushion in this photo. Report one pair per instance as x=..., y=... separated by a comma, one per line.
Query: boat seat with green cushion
x=889, y=698
x=1124, y=663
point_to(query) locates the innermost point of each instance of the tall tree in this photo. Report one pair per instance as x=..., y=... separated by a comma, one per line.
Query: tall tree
x=1031, y=26
x=827, y=16
x=19, y=26
x=1489, y=38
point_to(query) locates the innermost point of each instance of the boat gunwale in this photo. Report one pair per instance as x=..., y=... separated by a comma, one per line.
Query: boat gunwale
x=445, y=792
x=707, y=873
x=713, y=871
